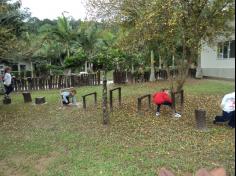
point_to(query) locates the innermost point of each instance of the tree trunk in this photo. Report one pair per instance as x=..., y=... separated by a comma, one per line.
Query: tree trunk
x=86, y=67
x=117, y=66
x=104, y=101
x=19, y=70
x=183, y=69
x=199, y=69
x=160, y=62
x=50, y=71
x=132, y=68
x=152, y=75
x=32, y=69
x=173, y=62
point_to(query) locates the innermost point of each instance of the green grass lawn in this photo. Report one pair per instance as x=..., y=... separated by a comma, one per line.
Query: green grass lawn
x=49, y=141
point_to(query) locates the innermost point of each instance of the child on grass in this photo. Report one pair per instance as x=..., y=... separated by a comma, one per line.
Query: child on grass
x=163, y=98
x=66, y=95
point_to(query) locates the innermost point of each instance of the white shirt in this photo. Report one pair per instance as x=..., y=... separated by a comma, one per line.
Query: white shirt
x=67, y=94
x=228, y=102
x=7, y=79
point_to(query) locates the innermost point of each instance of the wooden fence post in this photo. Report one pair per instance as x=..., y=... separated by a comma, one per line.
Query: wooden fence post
x=200, y=116
x=111, y=97
x=40, y=100
x=140, y=102
x=181, y=92
x=111, y=103
x=84, y=102
x=27, y=97
x=84, y=99
x=119, y=94
x=7, y=101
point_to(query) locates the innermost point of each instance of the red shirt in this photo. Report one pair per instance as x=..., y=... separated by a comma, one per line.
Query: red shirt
x=161, y=97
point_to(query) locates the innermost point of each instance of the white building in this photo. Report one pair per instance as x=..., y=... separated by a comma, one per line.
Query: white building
x=18, y=66
x=218, y=60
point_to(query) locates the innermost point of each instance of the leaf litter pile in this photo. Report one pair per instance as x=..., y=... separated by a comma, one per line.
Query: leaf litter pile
x=47, y=140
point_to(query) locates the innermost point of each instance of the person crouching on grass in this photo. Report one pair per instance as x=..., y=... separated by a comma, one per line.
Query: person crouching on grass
x=163, y=98
x=228, y=110
x=67, y=95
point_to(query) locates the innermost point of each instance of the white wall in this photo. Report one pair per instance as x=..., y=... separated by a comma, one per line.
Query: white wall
x=209, y=59
x=212, y=66
x=27, y=64
x=217, y=68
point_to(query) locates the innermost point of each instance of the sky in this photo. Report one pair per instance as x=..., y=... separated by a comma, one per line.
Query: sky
x=52, y=9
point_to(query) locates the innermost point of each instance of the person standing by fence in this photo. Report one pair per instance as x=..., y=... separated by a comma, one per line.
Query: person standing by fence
x=8, y=82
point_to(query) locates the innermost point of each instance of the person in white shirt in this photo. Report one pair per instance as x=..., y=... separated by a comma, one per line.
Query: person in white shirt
x=8, y=82
x=228, y=108
x=67, y=95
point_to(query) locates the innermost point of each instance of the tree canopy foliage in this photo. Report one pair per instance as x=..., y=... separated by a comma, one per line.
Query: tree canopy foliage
x=175, y=27
x=122, y=35
x=12, y=25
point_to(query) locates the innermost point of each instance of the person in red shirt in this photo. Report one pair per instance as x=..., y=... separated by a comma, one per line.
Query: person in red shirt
x=163, y=98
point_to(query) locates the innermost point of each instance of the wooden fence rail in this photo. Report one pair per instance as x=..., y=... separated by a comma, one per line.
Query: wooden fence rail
x=84, y=99
x=55, y=82
x=148, y=96
x=173, y=97
x=111, y=96
x=121, y=77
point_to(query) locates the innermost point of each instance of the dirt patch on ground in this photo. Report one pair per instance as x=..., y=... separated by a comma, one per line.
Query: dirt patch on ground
x=6, y=170
x=42, y=164
x=14, y=165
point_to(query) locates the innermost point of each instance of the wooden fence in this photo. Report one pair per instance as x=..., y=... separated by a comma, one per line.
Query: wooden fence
x=120, y=77
x=55, y=82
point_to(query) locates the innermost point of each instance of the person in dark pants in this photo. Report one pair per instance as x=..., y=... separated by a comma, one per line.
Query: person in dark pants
x=8, y=82
x=67, y=95
x=228, y=110
x=163, y=98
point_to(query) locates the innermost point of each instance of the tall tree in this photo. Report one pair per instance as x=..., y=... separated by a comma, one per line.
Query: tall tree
x=104, y=55
x=12, y=25
x=66, y=35
x=89, y=33
x=173, y=23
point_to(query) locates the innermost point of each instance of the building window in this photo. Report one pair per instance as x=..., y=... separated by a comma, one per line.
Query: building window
x=220, y=50
x=1, y=69
x=14, y=67
x=226, y=50
x=232, y=49
x=22, y=67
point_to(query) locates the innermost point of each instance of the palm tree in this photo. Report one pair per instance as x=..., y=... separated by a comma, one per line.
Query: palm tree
x=89, y=33
x=66, y=37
